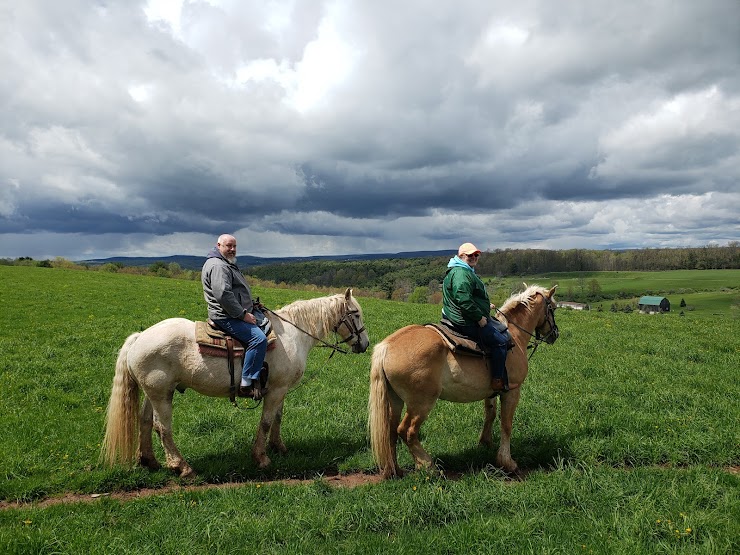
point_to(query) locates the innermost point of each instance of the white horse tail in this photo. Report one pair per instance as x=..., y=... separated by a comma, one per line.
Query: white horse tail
x=379, y=412
x=122, y=420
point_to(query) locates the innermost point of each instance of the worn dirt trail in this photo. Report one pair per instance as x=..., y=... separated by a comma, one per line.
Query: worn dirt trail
x=336, y=480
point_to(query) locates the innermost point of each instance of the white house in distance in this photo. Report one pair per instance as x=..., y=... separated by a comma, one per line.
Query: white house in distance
x=573, y=306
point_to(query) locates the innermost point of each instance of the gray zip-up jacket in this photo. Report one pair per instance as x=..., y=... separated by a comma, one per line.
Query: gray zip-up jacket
x=224, y=288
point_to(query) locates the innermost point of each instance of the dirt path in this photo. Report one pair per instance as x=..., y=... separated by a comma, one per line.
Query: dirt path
x=337, y=480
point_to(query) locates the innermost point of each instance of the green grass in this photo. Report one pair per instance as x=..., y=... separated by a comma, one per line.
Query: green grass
x=570, y=510
x=710, y=291
x=669, y=282
x=710, y=303
x=627, y=426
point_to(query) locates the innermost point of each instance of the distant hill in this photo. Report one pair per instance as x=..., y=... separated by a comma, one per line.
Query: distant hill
x=245, y=261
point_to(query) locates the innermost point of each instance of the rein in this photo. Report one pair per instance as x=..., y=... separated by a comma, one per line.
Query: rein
x=335, y=347
x=350, y=325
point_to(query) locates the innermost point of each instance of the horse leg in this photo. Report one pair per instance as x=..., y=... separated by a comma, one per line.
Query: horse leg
x=272, y=403
x=509, y=401
x=147, y=459
x=276, y=441
x=489, y=415
x=409, y=429
x=395, y=407
x=163, y=425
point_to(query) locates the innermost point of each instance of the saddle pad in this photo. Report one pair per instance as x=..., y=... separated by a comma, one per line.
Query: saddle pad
x=211, y=337
x=211, y=351
x=455, y=342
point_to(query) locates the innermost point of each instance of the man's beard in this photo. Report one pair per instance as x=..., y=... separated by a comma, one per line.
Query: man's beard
x=231, y=259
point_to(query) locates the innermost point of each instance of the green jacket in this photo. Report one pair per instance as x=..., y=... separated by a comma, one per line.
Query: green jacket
x=464, y=297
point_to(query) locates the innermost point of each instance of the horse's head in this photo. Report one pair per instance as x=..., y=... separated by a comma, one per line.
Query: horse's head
x=547, y=329
x=351, y=327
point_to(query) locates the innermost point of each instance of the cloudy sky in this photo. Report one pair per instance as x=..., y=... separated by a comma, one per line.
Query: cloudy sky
x=315, y=127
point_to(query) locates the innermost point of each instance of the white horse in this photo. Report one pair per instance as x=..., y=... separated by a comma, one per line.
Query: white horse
x=166, y=356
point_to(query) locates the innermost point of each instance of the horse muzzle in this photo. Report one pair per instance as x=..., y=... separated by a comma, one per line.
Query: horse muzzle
x=362, y=343
x=551, y=337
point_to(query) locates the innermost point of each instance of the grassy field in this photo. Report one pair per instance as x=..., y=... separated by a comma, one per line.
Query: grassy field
x=627, y=428
x=712, y=293
x=663, y=283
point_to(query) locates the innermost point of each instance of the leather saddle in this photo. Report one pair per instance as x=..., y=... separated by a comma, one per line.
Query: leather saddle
x=214, y=342
x=462, y=344
x=455, y=341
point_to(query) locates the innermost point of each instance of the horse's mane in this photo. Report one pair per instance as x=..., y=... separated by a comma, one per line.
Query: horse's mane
x=525, y=298
x=316, y=316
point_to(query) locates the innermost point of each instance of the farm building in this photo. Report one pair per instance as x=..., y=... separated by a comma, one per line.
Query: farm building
x=574, y=306
x=654, y=304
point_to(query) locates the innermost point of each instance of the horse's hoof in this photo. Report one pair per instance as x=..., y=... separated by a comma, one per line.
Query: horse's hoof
x=188, y=474
x=279, y=447
x=263, y=462
x=150, y=463
x=436, y=472
x=517, y=474
x=392, y=472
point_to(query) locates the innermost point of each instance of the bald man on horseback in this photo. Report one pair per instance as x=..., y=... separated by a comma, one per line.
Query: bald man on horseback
x=231, y=309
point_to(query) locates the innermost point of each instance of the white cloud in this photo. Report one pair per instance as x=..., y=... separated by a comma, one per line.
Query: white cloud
x=679, y=136
x=165, y=11
x=327, y=62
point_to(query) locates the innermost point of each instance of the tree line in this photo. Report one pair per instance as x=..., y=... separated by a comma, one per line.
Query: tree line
x=419, y=279
x=388, y=275
x=512, y=262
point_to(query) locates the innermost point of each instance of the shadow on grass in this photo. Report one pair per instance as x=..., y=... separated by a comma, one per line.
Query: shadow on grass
x=541, y=452
x=305, y=459
x=321, y=456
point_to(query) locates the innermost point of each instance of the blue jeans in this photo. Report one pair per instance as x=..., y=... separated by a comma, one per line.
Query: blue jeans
x=254, y=341
x=493, y=340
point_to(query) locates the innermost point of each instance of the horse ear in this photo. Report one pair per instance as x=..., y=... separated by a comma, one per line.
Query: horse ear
x=552, y=291
x=348, y=293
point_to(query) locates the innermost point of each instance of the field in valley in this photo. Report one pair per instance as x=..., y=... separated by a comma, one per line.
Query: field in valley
x=705, y=292
x=627, y=429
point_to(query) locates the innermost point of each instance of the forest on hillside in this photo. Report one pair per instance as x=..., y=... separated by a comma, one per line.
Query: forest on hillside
x=405, y=275
x=419, y=279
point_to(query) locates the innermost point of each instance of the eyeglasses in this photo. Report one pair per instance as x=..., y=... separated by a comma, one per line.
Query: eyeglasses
x=476, y=255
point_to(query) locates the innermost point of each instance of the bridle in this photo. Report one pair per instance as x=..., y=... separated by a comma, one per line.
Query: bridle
x=549, y=319
x=350, y=319
x=537, y=335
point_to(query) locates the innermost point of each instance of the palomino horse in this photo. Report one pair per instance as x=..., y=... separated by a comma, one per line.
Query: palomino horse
x=166, y=356
x=414, y=366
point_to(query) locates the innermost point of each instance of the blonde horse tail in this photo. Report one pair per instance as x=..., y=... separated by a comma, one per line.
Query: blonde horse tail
x=379, y=411
x=122, y=419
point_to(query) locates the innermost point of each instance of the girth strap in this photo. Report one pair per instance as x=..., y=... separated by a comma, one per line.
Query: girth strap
x=230, y=352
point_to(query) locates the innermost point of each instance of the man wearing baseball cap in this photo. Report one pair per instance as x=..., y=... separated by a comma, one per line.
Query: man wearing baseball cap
x=465, y=303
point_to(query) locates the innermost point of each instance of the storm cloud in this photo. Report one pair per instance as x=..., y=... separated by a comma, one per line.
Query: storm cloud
x=330, y=127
